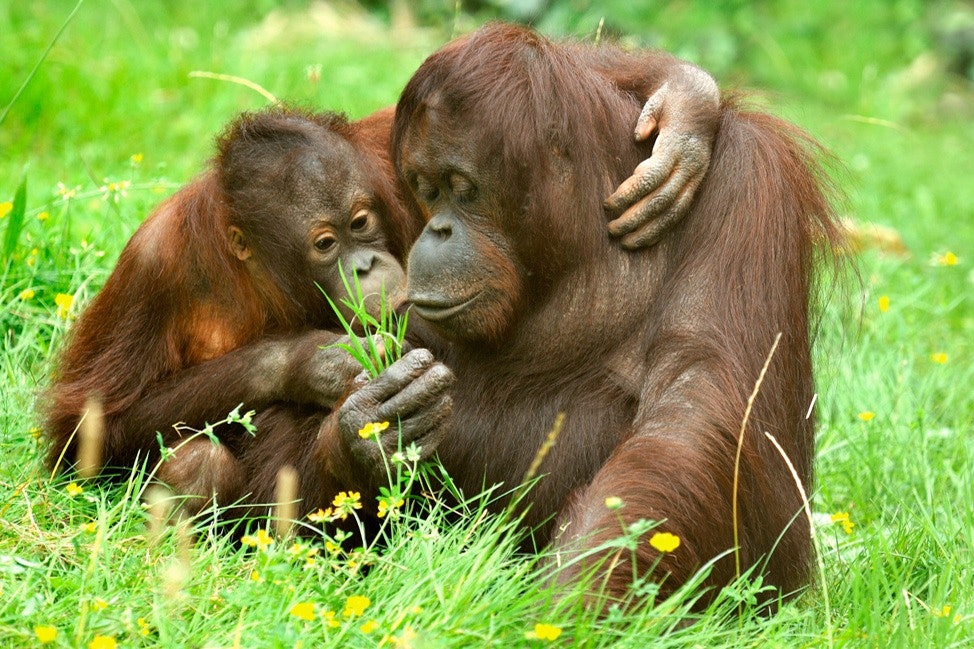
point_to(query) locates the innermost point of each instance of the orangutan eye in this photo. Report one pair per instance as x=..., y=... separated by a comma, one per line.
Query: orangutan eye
x=360, y=221
x=463, y=190
x=426, y=190
x=323, y=244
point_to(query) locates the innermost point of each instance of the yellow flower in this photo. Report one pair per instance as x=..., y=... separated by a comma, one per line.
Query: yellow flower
x=320, y=516
x=114, y=190
x=255, y=576
x=99, y=604
x=328, y=617
x=939, y=357
x=5, y=209
x=404, y=639
x=946, y=259
x=843, y=519
x=372, y=428
x=27, y=294
x=90, y=528
x=332, y=548
x=63, y=302
x=102, y=642
x=135, y=158
x=304, y=611
x=261, y=540
x=385, y=507
x=883, y=303
x=43, y=216
x=143, y=626
x=356, y=605
x=369, y=626
x=613, y=502
x=347, y=497
x=867, y=415
x=345, y=502
x=547, y=632
x=943, y=612
x=45, y=634
x=66, y=193
x=74, y=489
x=664, y=541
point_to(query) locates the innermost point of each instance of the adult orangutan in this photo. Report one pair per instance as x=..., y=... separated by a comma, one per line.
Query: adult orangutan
x=651, y=356
x=213, y=302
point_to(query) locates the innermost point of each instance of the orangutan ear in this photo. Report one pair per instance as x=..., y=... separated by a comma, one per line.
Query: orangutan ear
x=238, y=243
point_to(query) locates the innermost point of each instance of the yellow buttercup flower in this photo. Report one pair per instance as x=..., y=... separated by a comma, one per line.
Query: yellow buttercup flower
x=328, y=617
x=27, y=294
x=356, y=605
x=5, y=208
x=369, y=627
x=320, y=516
x=74, y=489
x=303, y=611
x=613, y=503
x=63, y=302
x=345, y=502
x=843, y=519
x=102, y=642
x=386, y=506
x=946, y=259
x=261, y=540
x=939, y=357
x=866, y=415
x=546, y=632
x=332, y=548
x=45, y=634
x=883, y=303
x=664, y=541
x=372, y=428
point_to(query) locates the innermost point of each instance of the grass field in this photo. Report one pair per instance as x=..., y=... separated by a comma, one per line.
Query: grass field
x=113, y=120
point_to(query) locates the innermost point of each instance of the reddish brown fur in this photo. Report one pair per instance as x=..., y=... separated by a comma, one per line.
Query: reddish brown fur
x=651, y=356
x=181, y=332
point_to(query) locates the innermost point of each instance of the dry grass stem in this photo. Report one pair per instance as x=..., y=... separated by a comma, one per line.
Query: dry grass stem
x=740, y=447
x=286, y=497
x=91, y=439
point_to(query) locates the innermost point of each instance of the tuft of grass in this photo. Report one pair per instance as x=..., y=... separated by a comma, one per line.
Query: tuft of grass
x=382, y=337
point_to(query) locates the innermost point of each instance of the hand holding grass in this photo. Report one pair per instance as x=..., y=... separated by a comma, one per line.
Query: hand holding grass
x=412, y=392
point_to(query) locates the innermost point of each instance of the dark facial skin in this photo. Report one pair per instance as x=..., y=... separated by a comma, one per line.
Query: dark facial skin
x=464, y=280
x=333, y=223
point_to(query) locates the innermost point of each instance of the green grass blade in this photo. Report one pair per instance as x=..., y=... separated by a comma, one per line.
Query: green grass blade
x=15, y=222
x=43, y=57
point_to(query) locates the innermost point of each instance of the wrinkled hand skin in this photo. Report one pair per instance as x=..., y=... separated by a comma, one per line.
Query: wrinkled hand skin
x=683, y=114
x=319, y=371
x=412, y=395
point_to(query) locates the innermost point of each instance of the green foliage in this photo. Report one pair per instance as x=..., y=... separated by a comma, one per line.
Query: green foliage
x=111, y=121
x=15, y=219
x=381, y=344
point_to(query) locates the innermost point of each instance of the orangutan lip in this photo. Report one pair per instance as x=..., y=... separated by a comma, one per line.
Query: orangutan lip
x=436, y=311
